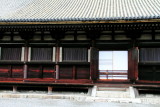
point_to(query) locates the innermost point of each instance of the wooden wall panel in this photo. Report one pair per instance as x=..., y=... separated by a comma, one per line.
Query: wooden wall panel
x=66, y=72
x=4, y=71
x=17, y=72
x=83, y=72
x=34, y=72
x=145, y=73
x=48, y=72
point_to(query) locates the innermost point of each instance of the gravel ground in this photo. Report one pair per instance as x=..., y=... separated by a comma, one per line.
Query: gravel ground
x=26, y=102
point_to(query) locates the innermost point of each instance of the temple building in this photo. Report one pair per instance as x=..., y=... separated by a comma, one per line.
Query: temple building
x=80, y=43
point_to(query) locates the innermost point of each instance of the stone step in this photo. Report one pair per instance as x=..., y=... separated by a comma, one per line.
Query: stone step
x=112, y=94
x=111, y=89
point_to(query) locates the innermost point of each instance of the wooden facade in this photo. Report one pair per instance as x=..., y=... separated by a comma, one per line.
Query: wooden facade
x=69, y=53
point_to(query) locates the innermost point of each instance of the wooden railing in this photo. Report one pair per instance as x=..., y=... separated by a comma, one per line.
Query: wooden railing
x=113, y=74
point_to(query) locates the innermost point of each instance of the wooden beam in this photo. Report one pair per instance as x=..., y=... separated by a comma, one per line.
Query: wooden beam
x=80, y=22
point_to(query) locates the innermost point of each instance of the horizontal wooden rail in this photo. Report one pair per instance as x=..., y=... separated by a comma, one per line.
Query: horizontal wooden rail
x=112, y=73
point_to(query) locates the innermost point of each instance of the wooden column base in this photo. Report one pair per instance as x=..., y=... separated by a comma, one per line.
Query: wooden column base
x=50, y=90
x=14, y=89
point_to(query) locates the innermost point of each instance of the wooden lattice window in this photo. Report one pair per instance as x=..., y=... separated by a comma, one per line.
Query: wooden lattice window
x=75, y=54
x=11, y=53
x=149, y=55
x=41, y=54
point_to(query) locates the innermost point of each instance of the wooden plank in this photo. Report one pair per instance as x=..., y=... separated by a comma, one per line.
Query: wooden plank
x=79, y=22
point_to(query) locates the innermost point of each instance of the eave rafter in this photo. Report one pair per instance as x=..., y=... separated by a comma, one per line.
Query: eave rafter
x=80, y=26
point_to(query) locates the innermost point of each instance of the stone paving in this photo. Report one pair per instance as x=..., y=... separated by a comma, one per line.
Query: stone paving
x=36, y=102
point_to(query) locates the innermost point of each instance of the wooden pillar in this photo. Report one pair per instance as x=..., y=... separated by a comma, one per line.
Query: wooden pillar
x=94, y=63
x=133, y=64
x=57, y=60
x=25, y=68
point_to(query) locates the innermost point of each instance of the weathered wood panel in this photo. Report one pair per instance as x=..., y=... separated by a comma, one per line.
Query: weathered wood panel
x=48, y=72
x=17, y=72
x=66, y=72
x=4, y=71
x=34, y=72
x=82, y=72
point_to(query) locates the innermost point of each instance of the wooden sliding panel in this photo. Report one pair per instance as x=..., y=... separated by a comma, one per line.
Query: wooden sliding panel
x=133, y=64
